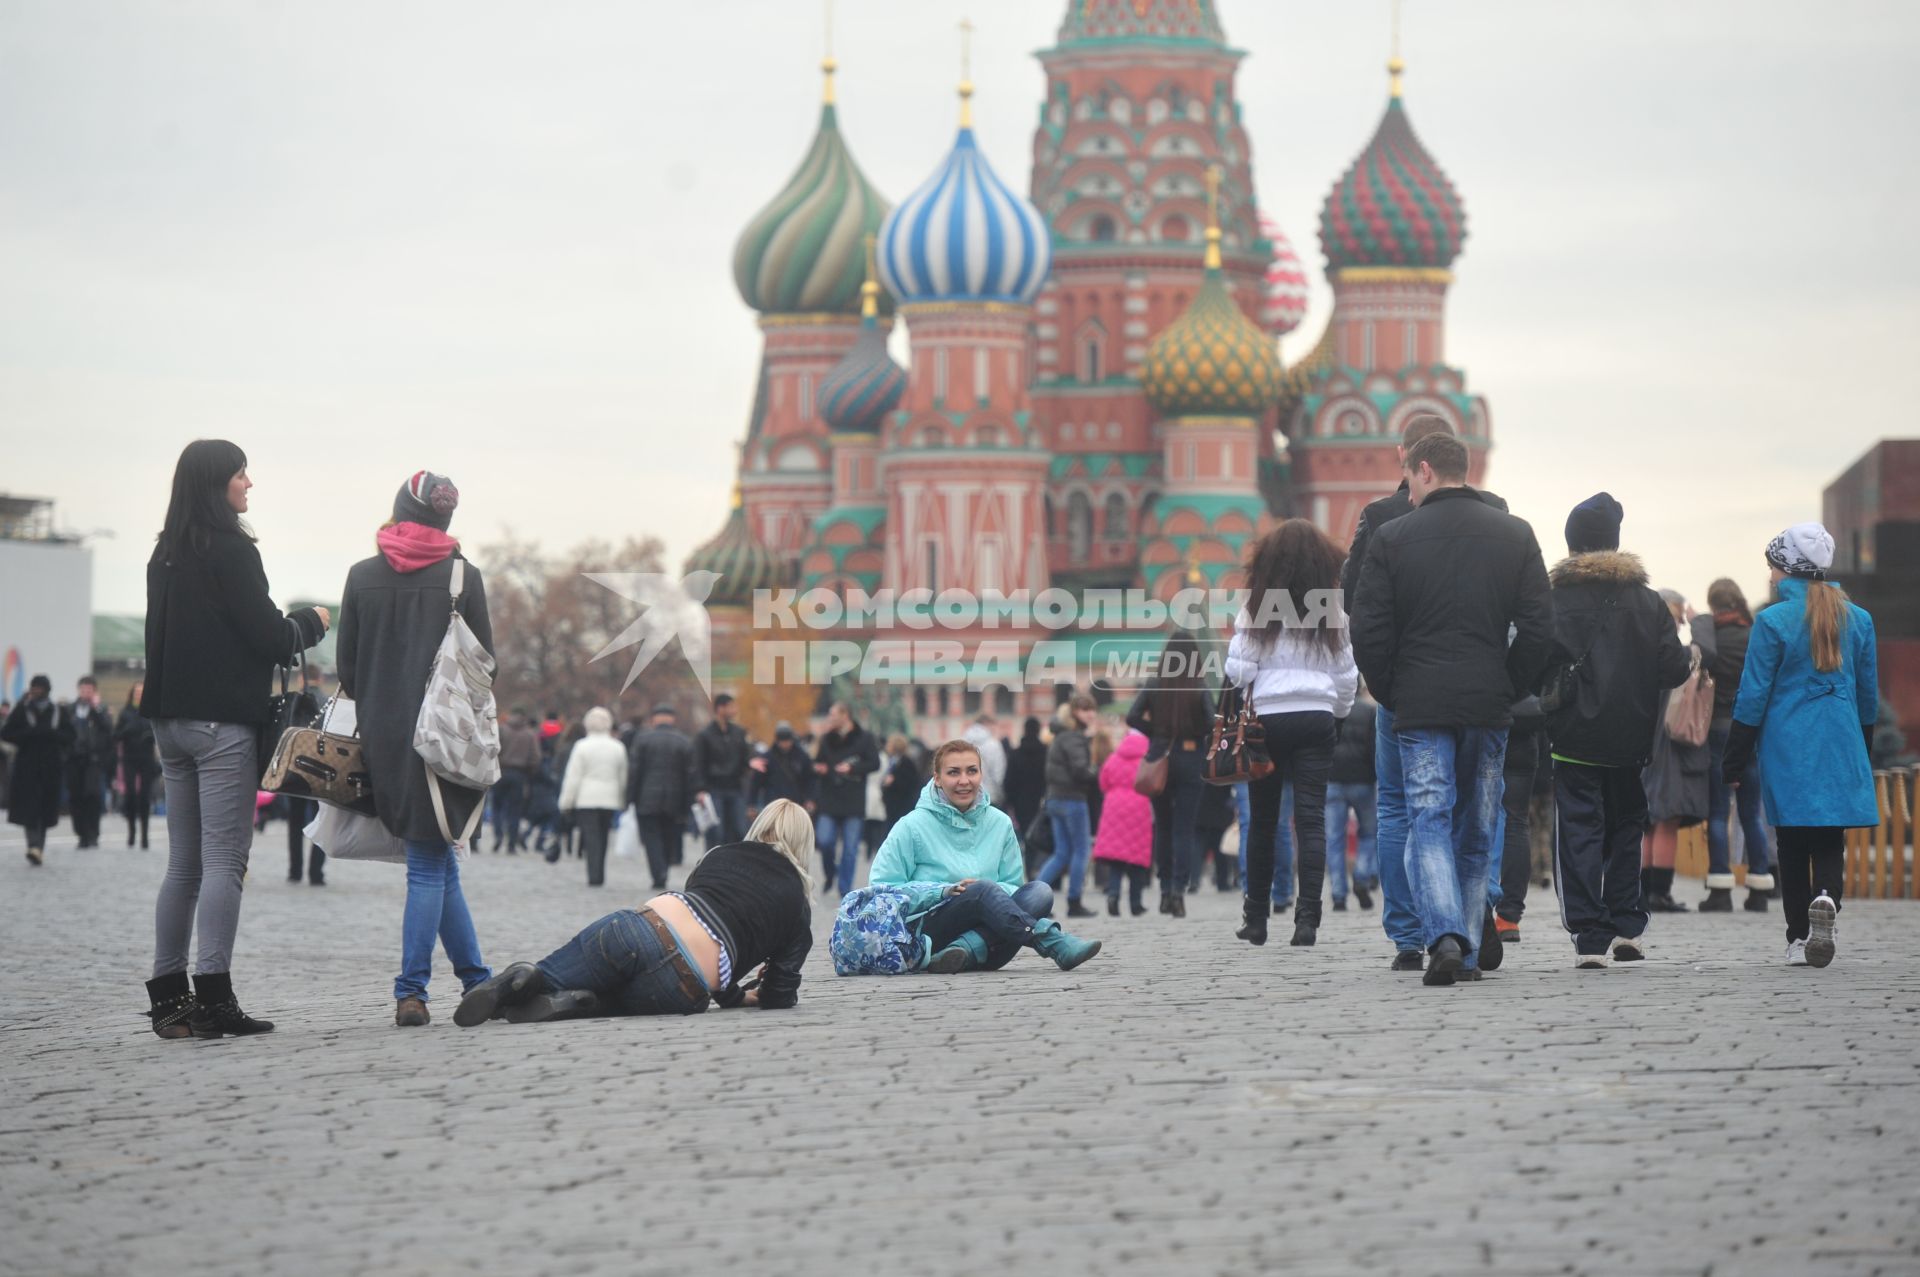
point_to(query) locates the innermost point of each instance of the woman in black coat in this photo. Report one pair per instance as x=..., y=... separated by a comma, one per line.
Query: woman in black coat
x=42, y=733
x=393, y=616
x=213, y=639
x=139, y=764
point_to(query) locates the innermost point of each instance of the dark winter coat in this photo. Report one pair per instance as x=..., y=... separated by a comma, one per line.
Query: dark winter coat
x=391, y=624
x=1675, y=776
x=214, y=634
x=1377, y=515
x=903, y=792
x=1353, y=747
x=845, y=795
x=1026, y=779
x=42, y=732
x=660, y=772
x=1070, y=764
x=1728, y=663
x=135, y=737
x=1603, y=608
x=720, y=757
x=1442, y=590
x=789, y=775
x=90, y=757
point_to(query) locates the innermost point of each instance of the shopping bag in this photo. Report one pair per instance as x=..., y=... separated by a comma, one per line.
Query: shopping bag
x=626, y=839
x=348, y=835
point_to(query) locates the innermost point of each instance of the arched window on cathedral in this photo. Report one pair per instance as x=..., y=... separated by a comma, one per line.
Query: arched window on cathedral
x=1100, y=228
x=1176, y=230
x=1092, y=350
x=1113, y=520
x=1079, y=527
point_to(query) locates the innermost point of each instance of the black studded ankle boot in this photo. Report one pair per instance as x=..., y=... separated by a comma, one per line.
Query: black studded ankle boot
x=218, y=1012
x=172, y=999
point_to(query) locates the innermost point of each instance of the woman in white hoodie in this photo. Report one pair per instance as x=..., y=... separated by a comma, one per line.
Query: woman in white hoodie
x=1291, y=657
x=594, y=789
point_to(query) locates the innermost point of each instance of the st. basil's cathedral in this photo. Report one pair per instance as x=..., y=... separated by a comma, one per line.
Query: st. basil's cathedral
x=1095, y=398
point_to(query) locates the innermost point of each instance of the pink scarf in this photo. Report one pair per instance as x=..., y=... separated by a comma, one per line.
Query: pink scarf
x=412, y=546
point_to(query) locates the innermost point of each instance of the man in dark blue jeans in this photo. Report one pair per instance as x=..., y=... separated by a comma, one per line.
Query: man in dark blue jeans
x=1440, y=593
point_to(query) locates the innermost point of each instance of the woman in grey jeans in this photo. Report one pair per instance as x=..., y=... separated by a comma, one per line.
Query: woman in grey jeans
x=213, y=639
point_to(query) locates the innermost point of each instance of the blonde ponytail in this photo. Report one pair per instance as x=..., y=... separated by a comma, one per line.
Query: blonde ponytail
x=1826, y=620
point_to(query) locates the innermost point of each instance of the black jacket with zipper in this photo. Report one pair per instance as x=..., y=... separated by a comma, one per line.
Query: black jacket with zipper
x=1440, y=593
x=1623, y=638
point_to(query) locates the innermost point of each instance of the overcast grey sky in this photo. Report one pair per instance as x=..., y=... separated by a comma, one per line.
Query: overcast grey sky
x=494, y=240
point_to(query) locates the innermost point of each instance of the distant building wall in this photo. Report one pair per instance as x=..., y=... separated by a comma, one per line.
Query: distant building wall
x=46, y=621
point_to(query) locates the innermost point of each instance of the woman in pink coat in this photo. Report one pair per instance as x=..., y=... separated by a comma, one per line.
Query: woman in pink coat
x=1126, y=825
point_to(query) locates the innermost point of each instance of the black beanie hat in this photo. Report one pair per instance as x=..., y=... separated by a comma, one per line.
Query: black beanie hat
x=1594, y=525
x=426, y=498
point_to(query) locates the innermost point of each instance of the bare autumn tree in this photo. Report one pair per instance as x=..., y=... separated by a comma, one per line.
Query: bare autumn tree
x=550, y=619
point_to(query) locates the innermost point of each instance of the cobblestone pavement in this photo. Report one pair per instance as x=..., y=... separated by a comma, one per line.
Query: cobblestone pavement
x=1184, y=1103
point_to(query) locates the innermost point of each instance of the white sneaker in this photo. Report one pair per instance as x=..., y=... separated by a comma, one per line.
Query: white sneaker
x=1591, y=961
x=1822, y=928
x=1796, y=953
x=1629, y=950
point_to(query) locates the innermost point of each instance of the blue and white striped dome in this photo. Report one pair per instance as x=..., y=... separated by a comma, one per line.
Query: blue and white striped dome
x=964, y=236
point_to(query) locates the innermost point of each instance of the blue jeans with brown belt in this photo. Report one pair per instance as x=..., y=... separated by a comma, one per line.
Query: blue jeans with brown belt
x=623, y=959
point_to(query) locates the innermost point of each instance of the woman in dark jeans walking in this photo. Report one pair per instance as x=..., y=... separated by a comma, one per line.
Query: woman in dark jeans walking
x=1175, y=713
x=139, y=765
x=213, y=639
x=1732, y=627
x=1291, y=657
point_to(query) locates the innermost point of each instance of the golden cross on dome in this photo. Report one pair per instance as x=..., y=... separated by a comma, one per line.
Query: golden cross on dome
x=1213, y=217
x=827, y=65
x=1394, y=63
x=966, y=73
x=870, y=290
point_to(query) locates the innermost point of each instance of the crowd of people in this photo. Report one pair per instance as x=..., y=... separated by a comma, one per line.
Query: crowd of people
x=1457, y=705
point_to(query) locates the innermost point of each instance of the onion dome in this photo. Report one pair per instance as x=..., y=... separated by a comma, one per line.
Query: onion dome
x=1286, y=302
x=1394, y=207
x=802, y=253
x=1212, y=361
x=965, y=235
x=866, y=384
x=1116, y=20
x=742, y=562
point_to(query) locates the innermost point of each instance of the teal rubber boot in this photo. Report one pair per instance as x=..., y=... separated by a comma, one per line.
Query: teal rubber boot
x=967, y=953
x=1067, y=951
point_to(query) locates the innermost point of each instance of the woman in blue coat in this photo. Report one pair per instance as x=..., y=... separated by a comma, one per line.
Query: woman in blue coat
x=1808, y=697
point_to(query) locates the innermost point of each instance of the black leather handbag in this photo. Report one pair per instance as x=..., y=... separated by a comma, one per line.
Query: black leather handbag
x=285, y=711
x=1237, y=750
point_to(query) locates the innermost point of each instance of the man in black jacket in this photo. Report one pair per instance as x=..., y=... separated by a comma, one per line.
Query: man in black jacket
x=89, y=762
x=1397, y=915
x=1440, y=593
x=658, y=766
x=721, y=753
x=784, y=771
x=846, y=754
x=1614, y=651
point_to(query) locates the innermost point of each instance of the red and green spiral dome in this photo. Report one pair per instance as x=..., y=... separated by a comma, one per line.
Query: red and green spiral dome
x=1394, y=207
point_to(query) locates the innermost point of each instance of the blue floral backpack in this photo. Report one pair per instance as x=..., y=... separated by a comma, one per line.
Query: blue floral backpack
x=872, y=934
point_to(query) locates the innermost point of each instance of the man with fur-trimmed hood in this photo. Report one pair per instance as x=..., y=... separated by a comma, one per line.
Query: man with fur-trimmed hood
x=1615, y=651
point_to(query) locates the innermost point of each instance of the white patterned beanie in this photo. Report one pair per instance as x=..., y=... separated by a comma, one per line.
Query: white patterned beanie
x=1803, y=550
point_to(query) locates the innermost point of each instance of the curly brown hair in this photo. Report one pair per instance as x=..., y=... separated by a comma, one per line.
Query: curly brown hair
x=1295, y=559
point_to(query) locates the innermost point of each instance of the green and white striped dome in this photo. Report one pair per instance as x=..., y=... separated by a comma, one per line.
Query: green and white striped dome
x=805, y=252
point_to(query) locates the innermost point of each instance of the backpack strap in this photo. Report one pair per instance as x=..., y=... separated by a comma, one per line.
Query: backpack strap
x=457, y=582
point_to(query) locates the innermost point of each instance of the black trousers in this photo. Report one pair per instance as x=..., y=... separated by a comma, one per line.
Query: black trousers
x=137, y=787
x=1137, y=876
x=1516, y=848
x=1301, y=747
x=661, y=835
x=1176, y=817
x=1599, y=815
x=299, y=812
x=84, y=806
x=593, y=824
x=1813, y=859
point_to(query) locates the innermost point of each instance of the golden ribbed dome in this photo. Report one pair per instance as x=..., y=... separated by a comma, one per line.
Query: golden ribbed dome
x=1212, y=361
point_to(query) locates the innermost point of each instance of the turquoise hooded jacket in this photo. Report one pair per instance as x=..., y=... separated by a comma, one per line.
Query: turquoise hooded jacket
x=936, y=844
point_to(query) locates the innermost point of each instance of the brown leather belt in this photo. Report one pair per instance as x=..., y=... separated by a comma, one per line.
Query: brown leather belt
x=691, y=983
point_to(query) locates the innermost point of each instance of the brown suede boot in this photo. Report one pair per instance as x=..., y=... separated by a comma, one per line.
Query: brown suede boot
x=411, y=1013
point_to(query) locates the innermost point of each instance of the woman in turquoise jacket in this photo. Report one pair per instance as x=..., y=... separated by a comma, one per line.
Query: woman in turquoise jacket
x=957, y=842
x=1808, y=699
